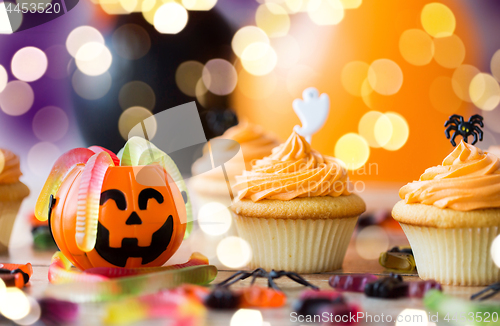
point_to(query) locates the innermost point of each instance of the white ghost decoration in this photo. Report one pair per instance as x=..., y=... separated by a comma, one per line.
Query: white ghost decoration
x=312, y=112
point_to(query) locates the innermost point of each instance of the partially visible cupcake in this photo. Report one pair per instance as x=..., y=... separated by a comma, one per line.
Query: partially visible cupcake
x=255, y=143
x=12, y=193
x=295, y=209
x=451, y=217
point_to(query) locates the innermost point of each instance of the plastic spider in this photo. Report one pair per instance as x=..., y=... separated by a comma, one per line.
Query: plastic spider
x=487, y=292
x=271, y=276
x=465, y=129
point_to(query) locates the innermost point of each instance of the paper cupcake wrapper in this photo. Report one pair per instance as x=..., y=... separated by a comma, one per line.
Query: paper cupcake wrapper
x=457, y=256
x=8, y=213
x=297, y=245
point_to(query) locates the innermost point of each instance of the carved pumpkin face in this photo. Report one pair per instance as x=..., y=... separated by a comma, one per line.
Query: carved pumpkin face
x=142, y=218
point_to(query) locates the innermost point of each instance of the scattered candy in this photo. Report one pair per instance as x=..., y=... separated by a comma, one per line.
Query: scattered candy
x=261, y=297
x=57, y=312
x=17, y=275
x=351, y=283
x=317, y=303
x=223, y=298
x=60, y=272
x=398, y=259
x=141, y=284
x=420, y=288
x=449, y=308
x=387, y=287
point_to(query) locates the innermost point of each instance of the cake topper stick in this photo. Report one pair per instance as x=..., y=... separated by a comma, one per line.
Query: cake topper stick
x=312, y=112
x=464, y=128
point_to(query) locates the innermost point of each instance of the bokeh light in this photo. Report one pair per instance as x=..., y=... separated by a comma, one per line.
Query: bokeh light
x=15, y=305
x=438, y=20
x=385, y=76
x=353, y=150
x=50, y=124
x=288, y=51
x=413, y=317
x=133, y=116
x=201, y=5
x=187, y=76
x=149, y=8
x=299, y=77
x=247, y=317
x=259, y=59
x=93, y=59
x=234, y=252
x=80, y=36
x=376, y=128
x=257, y=87
x=3, y=78
x=136, y=93
x=495, y=65
x=371, y=241
x=325, y=12
x=41, y=157
x=294, y=6
x=128, y=5
x=91, y=87
x=460, y=81
x=449, y=51
x=351, y=4
x=495, y=251
x=35, y=311
x=353, y=75
x=416, y=47
x=400, y=131
x=29, y=64
x=16, y=98
x=214, y=218
x=246, y=36
x=484, y=91
x=200, y=92
x=272, y=19
x=58, y=59
x=219, y=76
x=131, y=41
x=170, y=18
x=443, y=96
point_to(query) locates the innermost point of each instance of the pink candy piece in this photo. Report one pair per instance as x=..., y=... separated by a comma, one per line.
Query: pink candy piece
x=351, y=283
x=419, y=288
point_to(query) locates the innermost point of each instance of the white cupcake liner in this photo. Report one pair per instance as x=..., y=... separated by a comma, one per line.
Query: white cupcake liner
x=297, y=245
x=457, y=256
x=8, y=213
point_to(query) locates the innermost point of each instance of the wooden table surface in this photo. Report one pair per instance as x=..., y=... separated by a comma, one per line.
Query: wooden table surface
x=92, y=314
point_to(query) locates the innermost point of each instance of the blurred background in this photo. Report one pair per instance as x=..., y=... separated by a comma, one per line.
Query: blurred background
x=394, y=70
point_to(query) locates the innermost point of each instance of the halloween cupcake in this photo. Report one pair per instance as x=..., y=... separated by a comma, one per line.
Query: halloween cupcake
x=254, y=143
x=12, y=193
x=295, y=209
x=451, y=216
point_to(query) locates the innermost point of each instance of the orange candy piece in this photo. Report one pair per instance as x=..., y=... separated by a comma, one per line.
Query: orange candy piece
x=262, y=297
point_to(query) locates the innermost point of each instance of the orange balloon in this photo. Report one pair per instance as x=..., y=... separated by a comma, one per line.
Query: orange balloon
x=366, y=34
x=141, y=224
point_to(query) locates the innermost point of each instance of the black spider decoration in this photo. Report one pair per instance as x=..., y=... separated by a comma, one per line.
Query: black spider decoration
x=464, y=128
x=271, y=276
x=488, y=292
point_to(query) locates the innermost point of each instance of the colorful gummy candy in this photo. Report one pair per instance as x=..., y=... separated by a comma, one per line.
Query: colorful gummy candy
x=141, y=284
x=387, y=287
x=352, y=282
x=176, y=304
x=332, y=303
x=256, y=296
x=464, y=312
x=17, y=275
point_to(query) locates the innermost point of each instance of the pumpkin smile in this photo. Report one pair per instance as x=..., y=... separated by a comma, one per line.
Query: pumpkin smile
x=130, y=248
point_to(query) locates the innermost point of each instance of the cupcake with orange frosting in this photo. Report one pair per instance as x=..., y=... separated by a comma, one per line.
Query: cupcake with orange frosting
x=12, y=193
x=451, y=216
x=295, y=209
x=254, y=142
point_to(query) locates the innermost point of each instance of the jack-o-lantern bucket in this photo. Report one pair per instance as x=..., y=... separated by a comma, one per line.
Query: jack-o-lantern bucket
x=103, y=215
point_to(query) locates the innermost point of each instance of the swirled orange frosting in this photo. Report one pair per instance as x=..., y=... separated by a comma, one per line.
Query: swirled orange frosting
x=293, y=170
x=468, y=179
x=255, y=143
x=10, y=170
